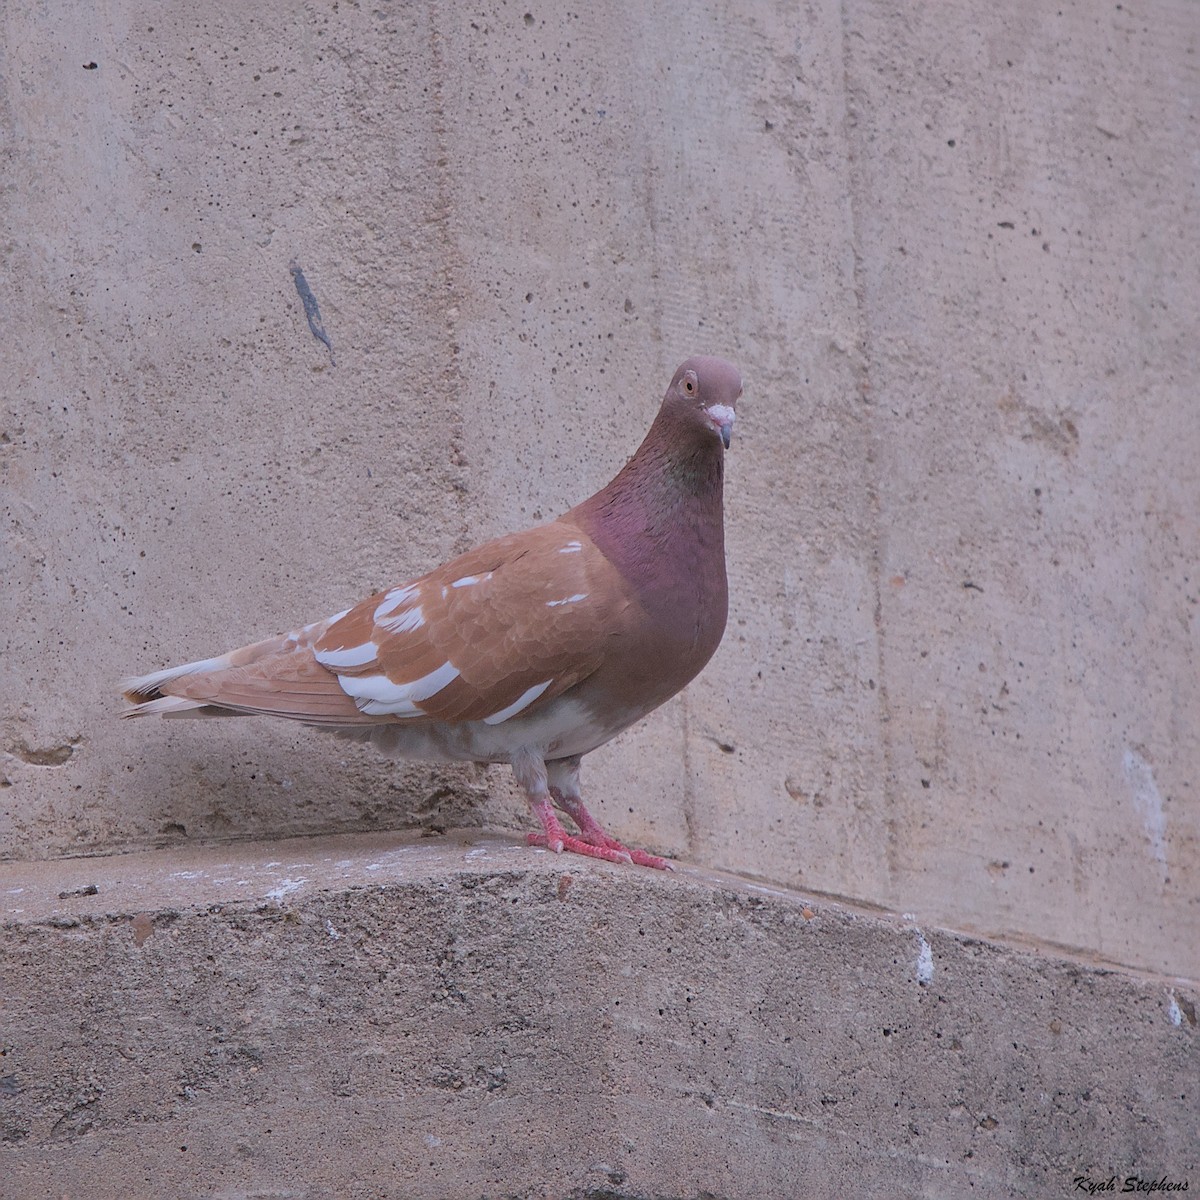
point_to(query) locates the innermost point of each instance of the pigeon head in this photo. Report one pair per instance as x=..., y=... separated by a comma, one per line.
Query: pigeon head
x=681, y=456
x=704, y=395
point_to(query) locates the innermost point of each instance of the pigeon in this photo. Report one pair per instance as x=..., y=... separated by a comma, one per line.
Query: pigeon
x=532, y=649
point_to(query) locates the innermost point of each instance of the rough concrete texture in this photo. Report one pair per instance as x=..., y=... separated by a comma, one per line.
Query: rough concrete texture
x=460, y=1016
x=953, y=249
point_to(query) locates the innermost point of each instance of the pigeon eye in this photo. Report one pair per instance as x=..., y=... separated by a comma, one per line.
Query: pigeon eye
x=689, y=385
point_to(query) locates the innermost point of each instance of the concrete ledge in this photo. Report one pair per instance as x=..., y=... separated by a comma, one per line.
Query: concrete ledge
x=462, y=1016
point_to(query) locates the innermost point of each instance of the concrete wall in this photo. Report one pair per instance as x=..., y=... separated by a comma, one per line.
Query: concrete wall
x=953, y=250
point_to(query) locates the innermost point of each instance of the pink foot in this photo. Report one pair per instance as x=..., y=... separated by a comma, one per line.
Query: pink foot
x=593, y=841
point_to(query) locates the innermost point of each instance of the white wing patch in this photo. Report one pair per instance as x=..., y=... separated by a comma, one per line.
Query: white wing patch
x=379, y=696
x=396, y=612
x=351, y=656
x=405, y=621
x=567, y=600
x=470, y=580
x=397, y=598
x=524, y=700
x=571, y=548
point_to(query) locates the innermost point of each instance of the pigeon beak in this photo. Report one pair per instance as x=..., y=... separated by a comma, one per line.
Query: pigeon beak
x=721, y=416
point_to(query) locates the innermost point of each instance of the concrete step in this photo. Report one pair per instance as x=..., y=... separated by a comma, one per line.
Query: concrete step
x=380, y=1015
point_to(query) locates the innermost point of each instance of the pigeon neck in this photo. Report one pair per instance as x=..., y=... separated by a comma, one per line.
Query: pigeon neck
x=661, y=520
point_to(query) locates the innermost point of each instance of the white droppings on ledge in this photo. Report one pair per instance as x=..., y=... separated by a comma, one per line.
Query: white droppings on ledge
x=480, y=852
x=1174, y=1012
x=924, y=963
x=186, y=875
x=329, y=929
x=924, y=960
x=288, y=886
x=766, y=891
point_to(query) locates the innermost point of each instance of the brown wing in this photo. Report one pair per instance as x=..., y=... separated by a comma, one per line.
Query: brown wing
x=497, y=631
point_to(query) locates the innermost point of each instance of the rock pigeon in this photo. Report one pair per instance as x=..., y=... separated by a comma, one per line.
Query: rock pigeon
x=531, y=649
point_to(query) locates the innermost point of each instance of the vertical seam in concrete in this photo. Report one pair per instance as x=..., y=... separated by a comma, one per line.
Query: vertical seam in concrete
x=862, y=372
x=649, y=194
x=689, y=785
x=451, y=374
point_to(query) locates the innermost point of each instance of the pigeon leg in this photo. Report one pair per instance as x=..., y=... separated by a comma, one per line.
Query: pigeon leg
x=530, y=770
x=531, y=773
x=563, y=778
x=556, y=838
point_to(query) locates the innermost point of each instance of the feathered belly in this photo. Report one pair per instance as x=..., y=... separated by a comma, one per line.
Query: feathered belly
x=562, y=728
